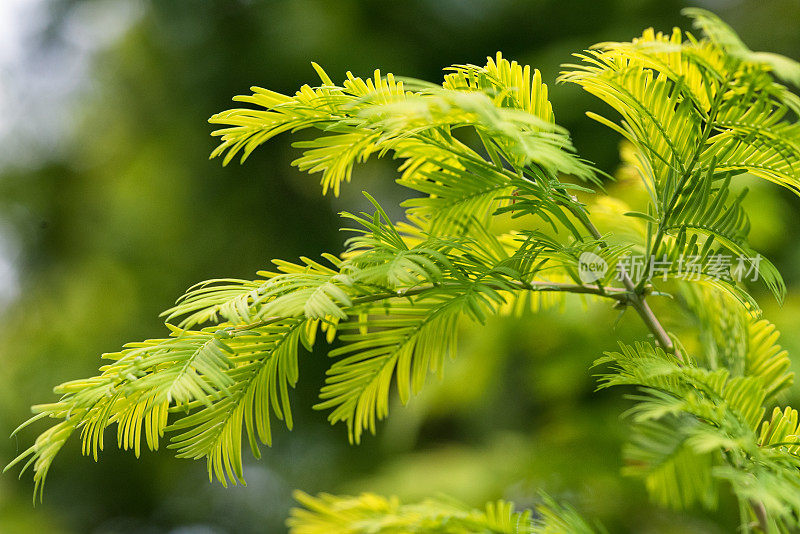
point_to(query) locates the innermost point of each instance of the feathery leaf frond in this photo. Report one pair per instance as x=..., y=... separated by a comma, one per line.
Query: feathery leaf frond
x=374, y=514
x=734, y=338
x=218, y=377
x=362, y=118
x=694, y=428
x=697, y=112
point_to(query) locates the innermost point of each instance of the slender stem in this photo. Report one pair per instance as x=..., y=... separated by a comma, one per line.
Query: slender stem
x=635, y=298
x=611, y=293
x=614, y=293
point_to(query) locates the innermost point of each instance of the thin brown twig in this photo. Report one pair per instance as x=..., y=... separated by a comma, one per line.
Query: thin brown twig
x=635, y=298
x=614, y=293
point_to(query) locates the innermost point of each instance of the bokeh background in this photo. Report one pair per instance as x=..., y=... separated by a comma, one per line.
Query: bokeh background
x=110, y=209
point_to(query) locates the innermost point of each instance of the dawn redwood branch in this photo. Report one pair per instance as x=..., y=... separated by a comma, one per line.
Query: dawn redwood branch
x=614, y=293
x=635, y=298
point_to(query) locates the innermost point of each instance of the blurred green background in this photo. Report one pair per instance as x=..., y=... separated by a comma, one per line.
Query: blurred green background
x=110, y=209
